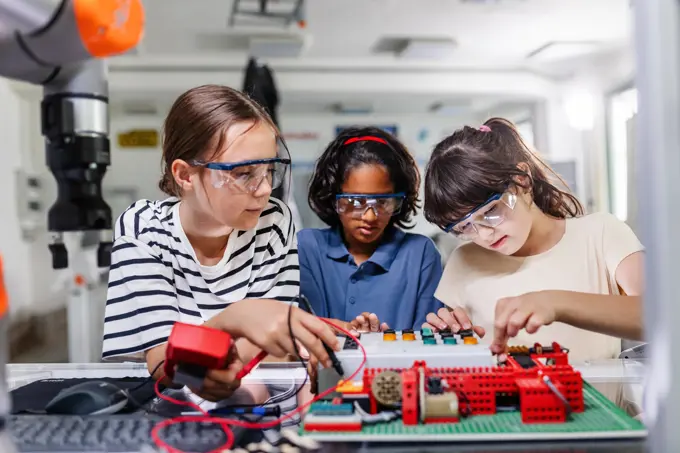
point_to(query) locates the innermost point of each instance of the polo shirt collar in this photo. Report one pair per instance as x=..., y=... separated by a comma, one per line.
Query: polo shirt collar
x=383, y=256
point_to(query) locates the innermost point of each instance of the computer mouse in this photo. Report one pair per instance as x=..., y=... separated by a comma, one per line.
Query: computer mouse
x=88, y=398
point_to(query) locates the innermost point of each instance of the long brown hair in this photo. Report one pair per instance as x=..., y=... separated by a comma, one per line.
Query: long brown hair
x=471, y=165
x=196, y=126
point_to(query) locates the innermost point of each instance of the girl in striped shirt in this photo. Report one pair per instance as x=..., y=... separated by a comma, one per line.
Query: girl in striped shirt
x=220, y=251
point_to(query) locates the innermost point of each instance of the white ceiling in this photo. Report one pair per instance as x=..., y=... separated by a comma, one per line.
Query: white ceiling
x=488, y=34
x=494, y=32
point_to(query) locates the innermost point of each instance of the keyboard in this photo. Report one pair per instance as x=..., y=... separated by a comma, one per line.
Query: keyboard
x=110, y=433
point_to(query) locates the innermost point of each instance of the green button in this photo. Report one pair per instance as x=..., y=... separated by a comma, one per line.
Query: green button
x=429, y=340
x=426, y=332
x=450, y=340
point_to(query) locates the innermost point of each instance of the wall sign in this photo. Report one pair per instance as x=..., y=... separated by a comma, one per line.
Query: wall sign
x=138, y=138
x=391, y=129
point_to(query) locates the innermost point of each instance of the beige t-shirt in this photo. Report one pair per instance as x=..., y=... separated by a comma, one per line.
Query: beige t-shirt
x=584, y=260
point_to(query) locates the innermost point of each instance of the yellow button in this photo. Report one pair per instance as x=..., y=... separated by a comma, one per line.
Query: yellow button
x=389, y=337
x=408, y=337
x=470, y=340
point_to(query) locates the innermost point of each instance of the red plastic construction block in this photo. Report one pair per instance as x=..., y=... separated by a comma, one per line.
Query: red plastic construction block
x=409, y=397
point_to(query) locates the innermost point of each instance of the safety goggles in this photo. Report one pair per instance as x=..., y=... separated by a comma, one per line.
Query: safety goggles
x=357, y=205
x=247, y=176
x=489, y=214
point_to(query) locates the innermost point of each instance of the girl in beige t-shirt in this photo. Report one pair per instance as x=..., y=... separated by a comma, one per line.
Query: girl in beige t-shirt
x=535, y=269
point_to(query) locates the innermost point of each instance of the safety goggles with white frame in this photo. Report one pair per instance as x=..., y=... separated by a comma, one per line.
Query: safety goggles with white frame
x=490, y=214
x=246, y=176
x=357, y=205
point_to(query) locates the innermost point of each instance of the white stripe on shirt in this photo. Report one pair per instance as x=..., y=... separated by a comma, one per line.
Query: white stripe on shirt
x=156, y=280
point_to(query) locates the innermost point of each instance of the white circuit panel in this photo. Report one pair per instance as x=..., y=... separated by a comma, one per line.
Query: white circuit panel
x=401, y=354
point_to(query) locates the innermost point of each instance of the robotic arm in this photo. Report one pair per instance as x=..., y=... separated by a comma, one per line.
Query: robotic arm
x=60, y=44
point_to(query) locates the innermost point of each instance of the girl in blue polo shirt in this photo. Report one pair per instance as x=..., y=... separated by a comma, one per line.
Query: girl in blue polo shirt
x=364, y=269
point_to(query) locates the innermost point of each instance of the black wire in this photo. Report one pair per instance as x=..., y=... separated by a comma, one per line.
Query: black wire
x=297, y=356
x=147, y=380
x=297, y=351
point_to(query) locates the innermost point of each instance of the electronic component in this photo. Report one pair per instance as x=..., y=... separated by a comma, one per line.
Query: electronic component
x=542, y=387
x=406, y=347
x=195, y=349
x=442, y=407
x=314, y=422
x=389, y=335
x=350, y=343
x=525, y=361
x=337, y=366
x=386, y=388
x=321, y=408
x=434, y=385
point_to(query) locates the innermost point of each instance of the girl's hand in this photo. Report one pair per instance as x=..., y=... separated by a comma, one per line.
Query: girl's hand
x=367, y=322
x=219, y=385
x=344, y=324
x=264, y=322
x=529, y=311
x=455, y=320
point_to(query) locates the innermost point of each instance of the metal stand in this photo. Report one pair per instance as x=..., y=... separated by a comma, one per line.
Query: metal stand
x=658, y=173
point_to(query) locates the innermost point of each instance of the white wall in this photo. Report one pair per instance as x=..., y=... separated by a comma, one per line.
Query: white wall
x=139, y=169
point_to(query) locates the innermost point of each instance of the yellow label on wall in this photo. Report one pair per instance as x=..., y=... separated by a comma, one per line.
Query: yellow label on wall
x=138, y=138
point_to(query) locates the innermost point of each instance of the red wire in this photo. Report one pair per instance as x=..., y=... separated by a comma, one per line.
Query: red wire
x=224, y=423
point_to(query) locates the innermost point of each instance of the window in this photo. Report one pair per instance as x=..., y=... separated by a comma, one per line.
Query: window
x=526, y=131
x=622, y=108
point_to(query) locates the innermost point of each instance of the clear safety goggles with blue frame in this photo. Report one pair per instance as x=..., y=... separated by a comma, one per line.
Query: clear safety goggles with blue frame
x=248, y=175
x=490, y=214
x=357, y=205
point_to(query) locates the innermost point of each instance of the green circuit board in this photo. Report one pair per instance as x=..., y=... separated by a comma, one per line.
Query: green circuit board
x=601, y=419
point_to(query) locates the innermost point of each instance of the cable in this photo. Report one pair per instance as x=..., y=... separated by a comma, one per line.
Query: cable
x=225, y=423
x=147, y=380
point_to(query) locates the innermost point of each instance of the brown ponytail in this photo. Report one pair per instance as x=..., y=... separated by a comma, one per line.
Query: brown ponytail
x=472, y=164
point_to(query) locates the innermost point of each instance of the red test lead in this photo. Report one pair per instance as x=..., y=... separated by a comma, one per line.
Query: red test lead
x=252, y=364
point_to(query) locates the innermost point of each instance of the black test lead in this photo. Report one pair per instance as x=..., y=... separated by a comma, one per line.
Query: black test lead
x=337, y=366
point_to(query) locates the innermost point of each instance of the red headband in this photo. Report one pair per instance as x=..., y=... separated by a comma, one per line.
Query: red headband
x=366, y=138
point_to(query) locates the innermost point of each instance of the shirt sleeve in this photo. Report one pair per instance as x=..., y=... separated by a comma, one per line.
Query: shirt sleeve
x=278, y=277
x=309, y=286
x=430, y=277
x=618, y=242
x=141, y=305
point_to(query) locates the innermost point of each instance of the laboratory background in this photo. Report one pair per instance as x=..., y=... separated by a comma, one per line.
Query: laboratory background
x=590, y=85
x=563, y=72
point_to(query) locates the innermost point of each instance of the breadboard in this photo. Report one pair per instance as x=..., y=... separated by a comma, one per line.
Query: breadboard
x=601, y=419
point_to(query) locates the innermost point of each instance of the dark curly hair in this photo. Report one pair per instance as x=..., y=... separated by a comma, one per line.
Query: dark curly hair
x=338, y=159
x=471, y=165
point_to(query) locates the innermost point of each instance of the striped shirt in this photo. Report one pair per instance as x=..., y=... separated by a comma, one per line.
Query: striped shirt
x=156, y=280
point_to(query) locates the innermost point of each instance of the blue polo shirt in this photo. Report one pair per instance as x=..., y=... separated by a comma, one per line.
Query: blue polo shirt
x=397, y=283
